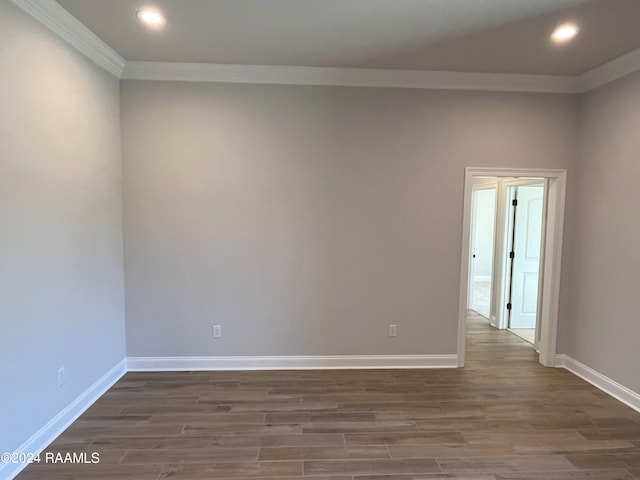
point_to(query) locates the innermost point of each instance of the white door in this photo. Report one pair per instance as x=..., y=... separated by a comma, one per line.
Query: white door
x=482, y=237
x=526, y=242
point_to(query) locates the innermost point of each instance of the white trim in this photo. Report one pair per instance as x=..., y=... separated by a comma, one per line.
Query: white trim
x=70, y=29
x=600, y=381
x=552, y=259
x=610, y=71
x=551, y=268
x=371, y=77
x=48, y=433
x=356, y=77
x=329, y=362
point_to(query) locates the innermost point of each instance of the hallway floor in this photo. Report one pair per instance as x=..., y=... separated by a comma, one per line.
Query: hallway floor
x=481, y=298
x=503, y=416
x=527, y=334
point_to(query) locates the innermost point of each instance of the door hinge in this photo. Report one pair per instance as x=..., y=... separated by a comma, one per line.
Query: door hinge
x=514, y=202
x=508, y=306
x=512, y=254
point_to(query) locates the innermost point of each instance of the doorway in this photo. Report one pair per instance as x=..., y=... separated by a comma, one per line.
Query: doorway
x=483, y=220
x=531, y=294
x=504, y=267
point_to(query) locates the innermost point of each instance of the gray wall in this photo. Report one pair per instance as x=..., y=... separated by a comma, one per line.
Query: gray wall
x=304, y=220
x=606, y=327
x=61, y=287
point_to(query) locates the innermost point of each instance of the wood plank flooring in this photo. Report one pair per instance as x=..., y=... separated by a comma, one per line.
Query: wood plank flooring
x=501, y=417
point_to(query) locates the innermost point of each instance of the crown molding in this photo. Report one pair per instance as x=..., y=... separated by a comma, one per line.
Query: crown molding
x=53, y=16
x=355, y=77
x=610, y=71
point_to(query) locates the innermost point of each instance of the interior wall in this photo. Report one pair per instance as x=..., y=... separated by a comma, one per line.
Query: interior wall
x=605, y=327
x=304, y=219
x=61, y=263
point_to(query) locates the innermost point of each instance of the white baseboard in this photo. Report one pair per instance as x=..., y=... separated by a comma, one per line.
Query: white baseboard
x=48, y=433
x=604, y=383
x=290, y=362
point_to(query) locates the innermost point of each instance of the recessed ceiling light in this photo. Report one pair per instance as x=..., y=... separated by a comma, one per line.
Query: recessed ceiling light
x=564, y=33
x=150, y=17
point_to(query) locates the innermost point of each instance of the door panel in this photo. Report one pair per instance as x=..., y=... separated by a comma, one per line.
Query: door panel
x=529, y=293
x=534, y=228
x=526, y=263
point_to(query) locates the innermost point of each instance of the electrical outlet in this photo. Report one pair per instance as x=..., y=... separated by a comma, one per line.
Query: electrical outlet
x=217, y=331
x=393, y=330
x=61, y=377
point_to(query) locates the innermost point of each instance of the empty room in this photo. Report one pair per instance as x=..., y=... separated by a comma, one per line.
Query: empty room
x=319, y=239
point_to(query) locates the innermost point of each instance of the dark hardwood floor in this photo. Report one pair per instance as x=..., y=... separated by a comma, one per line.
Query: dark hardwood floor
x=503, y=416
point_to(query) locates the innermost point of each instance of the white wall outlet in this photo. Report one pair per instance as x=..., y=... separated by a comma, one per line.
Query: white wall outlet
x=217, y=331
x=393, y=330
x=61, y=377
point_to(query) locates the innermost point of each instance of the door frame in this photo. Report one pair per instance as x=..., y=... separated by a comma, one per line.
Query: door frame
x=551, y=250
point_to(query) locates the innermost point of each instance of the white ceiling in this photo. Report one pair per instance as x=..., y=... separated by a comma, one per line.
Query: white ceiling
x=494, y=36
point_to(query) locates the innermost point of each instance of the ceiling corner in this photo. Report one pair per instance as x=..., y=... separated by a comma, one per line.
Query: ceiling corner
x=53, y=16
x=610, y=71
